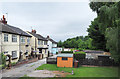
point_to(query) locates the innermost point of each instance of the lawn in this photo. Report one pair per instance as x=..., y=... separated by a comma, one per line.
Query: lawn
x=83, y=71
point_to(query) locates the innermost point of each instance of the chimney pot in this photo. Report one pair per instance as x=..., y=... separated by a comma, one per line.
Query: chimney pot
x=33, y=31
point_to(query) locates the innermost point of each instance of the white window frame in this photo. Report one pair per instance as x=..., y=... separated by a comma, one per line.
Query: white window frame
x=5, y=37
x=13, y=55
x=45, y=42
x=39, y=42
x=28, y=40
x=14, y=38
x=22, y=39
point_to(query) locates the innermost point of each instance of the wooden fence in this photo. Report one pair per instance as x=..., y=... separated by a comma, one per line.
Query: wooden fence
x=51, y=60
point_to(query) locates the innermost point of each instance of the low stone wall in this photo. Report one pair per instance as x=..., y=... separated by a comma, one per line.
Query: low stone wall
x=27, y=61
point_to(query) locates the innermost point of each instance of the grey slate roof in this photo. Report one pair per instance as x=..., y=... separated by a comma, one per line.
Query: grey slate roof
x=65, y=55
x=40, y=37
x=5, y=28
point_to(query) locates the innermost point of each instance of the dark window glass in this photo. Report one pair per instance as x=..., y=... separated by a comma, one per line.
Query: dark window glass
x=64, y=58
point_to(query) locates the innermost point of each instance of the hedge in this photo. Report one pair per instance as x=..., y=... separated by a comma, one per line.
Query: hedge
x=81, y=52
x=66, y=51
x=79, y=55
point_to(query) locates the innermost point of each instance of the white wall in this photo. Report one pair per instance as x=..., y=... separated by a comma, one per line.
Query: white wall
x=50, y=46
x=54, y=45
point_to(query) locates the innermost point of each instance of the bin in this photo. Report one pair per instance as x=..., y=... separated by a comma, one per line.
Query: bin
x=75, y=64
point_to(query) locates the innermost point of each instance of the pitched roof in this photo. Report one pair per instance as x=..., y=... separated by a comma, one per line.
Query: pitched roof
x=13, y=30
x=52, y=40
x=40, y=37
x=65, y=55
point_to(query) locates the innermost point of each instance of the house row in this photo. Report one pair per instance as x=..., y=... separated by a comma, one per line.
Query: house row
x=20, y=44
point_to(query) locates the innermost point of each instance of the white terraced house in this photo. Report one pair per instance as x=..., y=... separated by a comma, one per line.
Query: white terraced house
x=14, y=41
x=52, y=46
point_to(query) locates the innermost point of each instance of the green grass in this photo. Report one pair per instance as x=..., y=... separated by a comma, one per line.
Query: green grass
x=83, y=71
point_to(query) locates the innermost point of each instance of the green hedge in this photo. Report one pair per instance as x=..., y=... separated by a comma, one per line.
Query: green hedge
x=66, y=51
x=81, y=52
x=79, y=55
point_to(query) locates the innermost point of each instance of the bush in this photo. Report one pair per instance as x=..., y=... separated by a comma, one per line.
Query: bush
x=81, y=52
x=79, y=55
x=66, y=51
x=80, y=49
x=2, y=59
x=13, y=63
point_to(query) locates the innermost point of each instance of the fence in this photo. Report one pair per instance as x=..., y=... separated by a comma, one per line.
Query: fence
x=51, y=60
x=98, y=62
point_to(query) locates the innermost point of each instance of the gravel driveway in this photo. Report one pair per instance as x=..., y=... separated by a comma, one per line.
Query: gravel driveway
x=23, y=69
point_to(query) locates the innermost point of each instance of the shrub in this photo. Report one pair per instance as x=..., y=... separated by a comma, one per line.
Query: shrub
x=2, y=59
x=79, y=55
x=80, y=49
x=66, y=51
x=81, y=52
x=13, y=63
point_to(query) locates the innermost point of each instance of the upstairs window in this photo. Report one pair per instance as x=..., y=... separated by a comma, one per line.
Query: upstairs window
x=45, y=42
x=5, y=37
x=22, y=39
x=14, y=38
x=38, y=42
x=28, y=40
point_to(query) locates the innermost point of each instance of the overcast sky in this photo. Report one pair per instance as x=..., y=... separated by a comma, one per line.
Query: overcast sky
x=59, y=20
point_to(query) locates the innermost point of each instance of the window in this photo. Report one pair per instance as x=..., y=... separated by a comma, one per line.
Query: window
x=22, y=39
x=14, y=54
x=14, y=38
x=64, y=58
x=45, y=42
x=38, y=42
x=5, y=37
x=41, y=42
x=45, y=51
x=28, y=40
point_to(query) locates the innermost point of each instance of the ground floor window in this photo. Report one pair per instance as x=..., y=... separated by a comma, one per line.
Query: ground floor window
x=14, y=54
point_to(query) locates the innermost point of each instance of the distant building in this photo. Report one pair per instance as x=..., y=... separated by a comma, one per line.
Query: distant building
x=52, y=46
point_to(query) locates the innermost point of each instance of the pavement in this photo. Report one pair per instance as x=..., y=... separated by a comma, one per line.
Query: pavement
x=22, y=70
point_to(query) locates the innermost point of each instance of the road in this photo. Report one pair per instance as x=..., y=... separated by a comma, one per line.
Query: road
x=23, y=69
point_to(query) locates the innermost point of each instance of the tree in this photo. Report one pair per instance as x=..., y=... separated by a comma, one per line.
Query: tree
x=60, y=43
x=94, y=32
x=112, y=42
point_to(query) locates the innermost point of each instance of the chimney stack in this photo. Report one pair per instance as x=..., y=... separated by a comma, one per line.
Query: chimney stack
x=33, y=31
x=4, y=20
x=48, y=36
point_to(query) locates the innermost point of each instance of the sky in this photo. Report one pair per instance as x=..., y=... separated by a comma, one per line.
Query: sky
x=59, y=20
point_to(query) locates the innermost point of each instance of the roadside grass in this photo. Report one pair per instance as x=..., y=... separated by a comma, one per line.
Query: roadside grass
x=83, y=71
x=32, y=65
